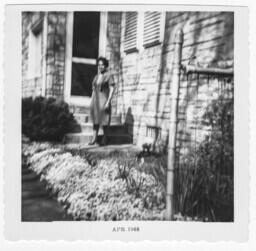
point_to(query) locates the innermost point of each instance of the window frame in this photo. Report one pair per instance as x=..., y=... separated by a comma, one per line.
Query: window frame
x=80, y=100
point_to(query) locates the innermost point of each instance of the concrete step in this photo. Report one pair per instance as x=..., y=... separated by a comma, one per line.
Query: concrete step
x=115, y=119
x=79, y=109
x=119, y=139
x=85, y=118
x=85, y=138
x=82, y=117
x=113, y=129
x=78, y=138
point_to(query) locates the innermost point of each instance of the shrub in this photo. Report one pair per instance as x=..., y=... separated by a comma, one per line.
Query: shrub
x=204, y=179
x=45, y=118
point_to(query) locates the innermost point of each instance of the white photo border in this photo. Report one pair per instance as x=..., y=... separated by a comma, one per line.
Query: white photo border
x=15, y=229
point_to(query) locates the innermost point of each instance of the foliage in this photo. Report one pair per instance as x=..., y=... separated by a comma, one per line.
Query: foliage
x=204, y=180
x=45, y=118
x=126, y=186
x=100, y=192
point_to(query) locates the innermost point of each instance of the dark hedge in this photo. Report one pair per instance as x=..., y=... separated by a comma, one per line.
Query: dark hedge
x=46, y=118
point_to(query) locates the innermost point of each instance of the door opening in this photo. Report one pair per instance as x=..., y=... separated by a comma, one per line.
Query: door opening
x=85, y=51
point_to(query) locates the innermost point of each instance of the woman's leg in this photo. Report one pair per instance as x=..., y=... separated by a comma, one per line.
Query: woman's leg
x=104, y=139
x=95, y=134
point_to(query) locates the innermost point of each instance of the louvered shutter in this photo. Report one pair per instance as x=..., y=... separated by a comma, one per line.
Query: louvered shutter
x=152, y=28
x=130, y=36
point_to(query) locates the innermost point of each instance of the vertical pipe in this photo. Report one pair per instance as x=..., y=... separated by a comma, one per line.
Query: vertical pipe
x=173, y=124
x=44, y=68
x=68, y=56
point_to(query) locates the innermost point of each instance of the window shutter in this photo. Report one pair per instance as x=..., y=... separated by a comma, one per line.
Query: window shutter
x=130, y=36
x=152, y=28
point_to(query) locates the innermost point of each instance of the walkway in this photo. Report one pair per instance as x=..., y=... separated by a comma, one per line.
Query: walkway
x=37, y=204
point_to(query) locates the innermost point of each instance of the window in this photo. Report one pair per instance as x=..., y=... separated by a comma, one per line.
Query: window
x=143, y=29
x=151, y=28
x=85, y=52
x=131, y=31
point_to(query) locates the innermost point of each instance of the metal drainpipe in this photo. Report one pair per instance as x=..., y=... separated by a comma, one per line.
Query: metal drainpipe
x=173, y=124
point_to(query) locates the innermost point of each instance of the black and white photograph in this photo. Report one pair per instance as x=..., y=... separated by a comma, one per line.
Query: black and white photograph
x=126, y=119
x=127, y=116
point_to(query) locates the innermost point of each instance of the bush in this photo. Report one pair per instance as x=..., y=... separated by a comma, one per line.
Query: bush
x=45, y=118
x=204, y=179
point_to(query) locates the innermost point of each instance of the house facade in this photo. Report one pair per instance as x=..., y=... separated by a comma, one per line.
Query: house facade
x=59, y=52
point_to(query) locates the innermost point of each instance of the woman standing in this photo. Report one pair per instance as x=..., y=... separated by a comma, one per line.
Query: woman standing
x=100, y=108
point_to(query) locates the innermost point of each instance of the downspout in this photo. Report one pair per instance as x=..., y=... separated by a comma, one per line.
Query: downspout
x=44, y=70
x=173, y=124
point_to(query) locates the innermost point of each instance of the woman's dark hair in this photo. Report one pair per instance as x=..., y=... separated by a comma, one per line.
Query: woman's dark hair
x=103, y=60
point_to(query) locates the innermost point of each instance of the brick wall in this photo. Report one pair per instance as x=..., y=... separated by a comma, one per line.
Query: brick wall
x=145, y=78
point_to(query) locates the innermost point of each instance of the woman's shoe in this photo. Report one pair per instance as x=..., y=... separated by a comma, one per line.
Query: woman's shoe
x=93, y=142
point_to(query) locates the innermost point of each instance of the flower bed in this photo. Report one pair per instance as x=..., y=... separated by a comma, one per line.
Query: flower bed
x=114, y=188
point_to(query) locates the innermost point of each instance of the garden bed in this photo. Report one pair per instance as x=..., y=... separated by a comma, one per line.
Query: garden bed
x=119, y=184
x=97, y=187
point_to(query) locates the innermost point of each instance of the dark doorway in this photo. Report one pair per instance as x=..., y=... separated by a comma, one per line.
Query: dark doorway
x=85, y=52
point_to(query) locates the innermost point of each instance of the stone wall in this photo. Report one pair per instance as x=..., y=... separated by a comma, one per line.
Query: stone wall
x=113, y=50
x=145, y=79
x=31, y=86
x=55, y=55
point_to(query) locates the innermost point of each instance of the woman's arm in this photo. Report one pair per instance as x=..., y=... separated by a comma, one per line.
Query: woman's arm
x=111, y=85
x=111, y=92
x=93, y=83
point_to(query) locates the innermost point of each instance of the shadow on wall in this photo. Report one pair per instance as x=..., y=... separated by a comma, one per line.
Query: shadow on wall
x=207, y=40
x=129, y=122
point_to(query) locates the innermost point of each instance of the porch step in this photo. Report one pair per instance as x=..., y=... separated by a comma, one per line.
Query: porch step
x=85, y=118
x=85, y=138
x=113, y=129
x=78, y=138
x=82, y=132
x=115, y=119
x=79, y=109
x=82, y=117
